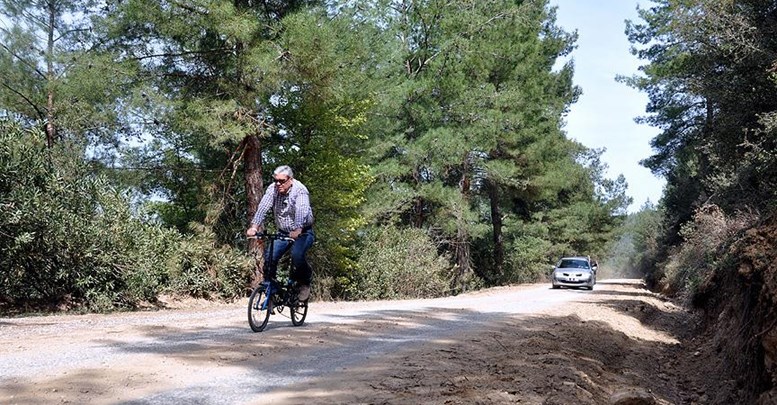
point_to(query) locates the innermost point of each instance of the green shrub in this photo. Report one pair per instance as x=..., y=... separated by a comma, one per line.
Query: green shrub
x=200, y=268
x=68, y=237
x=400, y=263
x=71, y=239
x=689, y=265
x=526, y=260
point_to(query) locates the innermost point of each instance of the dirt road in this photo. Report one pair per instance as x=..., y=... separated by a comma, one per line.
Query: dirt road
x=525, y=344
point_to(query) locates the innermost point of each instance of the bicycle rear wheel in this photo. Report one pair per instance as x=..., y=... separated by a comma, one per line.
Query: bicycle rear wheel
x=259, y=309
x=298, y=310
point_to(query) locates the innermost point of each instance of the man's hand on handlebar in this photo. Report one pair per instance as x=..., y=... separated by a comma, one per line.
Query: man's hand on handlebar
x=253, y=230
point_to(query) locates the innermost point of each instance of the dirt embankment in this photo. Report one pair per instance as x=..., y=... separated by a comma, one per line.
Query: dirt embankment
x=740, y=303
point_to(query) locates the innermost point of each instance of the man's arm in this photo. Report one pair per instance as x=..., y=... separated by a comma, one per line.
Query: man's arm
x=302, y=209
x=264, y=207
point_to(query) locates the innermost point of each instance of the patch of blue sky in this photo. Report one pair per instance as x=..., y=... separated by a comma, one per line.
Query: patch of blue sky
x=604, y=115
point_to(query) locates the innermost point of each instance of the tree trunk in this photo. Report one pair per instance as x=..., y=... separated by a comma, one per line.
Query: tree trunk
x=462, y=252
x=418, y=212
x=496, y=222
x=253, y=174
x=461, y=242
x=254, y=190
x=51, y=132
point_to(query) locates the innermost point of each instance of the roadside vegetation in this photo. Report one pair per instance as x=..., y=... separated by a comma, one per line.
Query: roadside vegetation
x=710, y=74
x=138, y=136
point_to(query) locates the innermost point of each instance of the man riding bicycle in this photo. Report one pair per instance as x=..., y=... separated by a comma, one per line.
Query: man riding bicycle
x=290, y=201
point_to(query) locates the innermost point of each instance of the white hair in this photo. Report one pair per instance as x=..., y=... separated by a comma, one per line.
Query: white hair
x=284, y=170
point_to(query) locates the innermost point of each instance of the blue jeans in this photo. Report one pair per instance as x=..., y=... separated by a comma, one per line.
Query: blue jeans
x=302, y=273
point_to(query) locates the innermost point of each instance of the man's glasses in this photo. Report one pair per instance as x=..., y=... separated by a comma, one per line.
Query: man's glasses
x=281, y=182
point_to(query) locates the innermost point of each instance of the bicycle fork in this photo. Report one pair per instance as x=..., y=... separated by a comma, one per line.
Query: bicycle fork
x=269, y=291
x=275, y=294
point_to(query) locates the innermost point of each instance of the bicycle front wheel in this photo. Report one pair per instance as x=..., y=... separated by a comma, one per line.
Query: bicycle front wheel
x=299, y=310
x=259, y=309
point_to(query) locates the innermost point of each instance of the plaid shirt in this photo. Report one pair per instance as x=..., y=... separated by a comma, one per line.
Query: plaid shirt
x=291, y=210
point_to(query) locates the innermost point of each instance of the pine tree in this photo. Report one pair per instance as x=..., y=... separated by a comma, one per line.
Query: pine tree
x=709, y=76
x=468, y=132
x=235, y=87
x=55, y=73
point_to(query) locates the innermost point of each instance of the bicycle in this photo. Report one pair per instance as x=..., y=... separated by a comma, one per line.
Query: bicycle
x=271, y=295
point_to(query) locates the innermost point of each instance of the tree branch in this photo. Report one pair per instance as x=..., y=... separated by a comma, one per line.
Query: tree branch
x=179, y=54
x=40, y=113
x=70, y=32
x=24, y=61
x=189, y=8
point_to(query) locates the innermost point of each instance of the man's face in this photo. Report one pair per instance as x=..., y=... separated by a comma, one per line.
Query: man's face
x=282, y=183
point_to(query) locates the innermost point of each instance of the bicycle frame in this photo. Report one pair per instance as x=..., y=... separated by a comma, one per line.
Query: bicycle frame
x=270, y=294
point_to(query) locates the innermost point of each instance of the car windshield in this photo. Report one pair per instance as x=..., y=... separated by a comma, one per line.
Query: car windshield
x=573, y=264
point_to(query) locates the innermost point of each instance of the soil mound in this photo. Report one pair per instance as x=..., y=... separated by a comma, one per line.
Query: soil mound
x=739, y=302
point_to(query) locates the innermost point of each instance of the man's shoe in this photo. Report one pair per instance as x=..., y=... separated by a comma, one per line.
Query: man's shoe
x=304, y=292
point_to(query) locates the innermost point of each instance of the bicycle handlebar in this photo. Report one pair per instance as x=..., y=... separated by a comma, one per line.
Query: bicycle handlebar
x=272, y=236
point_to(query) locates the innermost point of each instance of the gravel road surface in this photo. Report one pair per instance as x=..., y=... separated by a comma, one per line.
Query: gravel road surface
x=207, y=354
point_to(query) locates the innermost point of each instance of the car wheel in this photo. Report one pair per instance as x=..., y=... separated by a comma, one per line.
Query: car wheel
x=556, y=287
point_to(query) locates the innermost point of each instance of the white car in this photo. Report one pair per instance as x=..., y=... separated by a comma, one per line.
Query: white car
x=573, y=271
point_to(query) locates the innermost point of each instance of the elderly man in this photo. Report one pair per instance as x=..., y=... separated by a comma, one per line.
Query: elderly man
x=290, y=202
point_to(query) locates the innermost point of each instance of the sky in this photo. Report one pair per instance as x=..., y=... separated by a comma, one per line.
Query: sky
x=603, y=117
